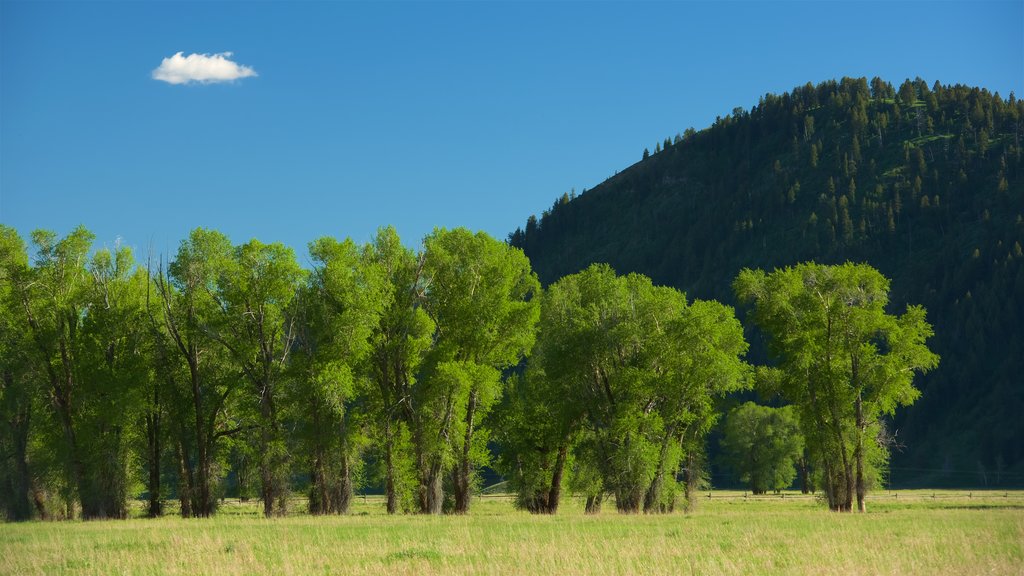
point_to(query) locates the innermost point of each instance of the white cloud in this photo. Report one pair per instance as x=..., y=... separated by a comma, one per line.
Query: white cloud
x=202, y=68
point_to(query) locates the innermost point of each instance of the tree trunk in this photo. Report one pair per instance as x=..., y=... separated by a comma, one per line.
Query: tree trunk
x=153, y=437
x=555, y=493
x=831, y=484
x=859, y=456
x=185, y=492
x=802, y=464
x=20, y=506
x=110, y=478
x=346, y=490
x=319, y=493
x=434, y=490
x=692, y=485
x=204, y=470
x=422, y=492
x=847, y=481
x=272, y=490
x=594, y=503
x=630, y=500
x=77, y=467
x=39, y=501
x=389, y=468
x=431, y=484
x=845, y=484
x=462, y=476
x=200, y=482
x=652, y=500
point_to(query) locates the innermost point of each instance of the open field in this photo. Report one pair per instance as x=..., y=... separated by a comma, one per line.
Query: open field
x=918, y=532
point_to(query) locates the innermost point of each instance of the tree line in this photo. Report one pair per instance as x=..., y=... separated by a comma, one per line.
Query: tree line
x=232, y=366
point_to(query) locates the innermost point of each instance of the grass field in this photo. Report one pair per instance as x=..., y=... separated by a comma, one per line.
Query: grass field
x=914, y=533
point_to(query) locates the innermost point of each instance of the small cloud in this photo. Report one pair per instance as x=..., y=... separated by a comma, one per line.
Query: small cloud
x=202, y=68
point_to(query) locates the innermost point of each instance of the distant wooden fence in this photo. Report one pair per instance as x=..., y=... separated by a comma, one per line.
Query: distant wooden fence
x=894, y=495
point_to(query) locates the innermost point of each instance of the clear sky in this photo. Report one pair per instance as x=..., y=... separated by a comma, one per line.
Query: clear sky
x=413, y=114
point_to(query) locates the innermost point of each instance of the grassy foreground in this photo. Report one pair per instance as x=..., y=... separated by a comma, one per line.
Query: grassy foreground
x=728, y=534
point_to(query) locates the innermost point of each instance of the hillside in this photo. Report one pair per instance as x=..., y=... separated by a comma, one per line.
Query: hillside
x=923, y=182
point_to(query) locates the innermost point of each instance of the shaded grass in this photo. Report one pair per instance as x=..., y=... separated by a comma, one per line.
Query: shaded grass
x=727, y=534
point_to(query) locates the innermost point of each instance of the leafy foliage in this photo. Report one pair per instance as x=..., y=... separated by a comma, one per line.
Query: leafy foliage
x=621, y=388
x=762, y=445
x=843, y=361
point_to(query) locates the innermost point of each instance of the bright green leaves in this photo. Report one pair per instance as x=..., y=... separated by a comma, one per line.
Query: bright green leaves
x=201, y=258
x=85, y=337
x=843, y=361
x=256, y=287
x=482, y=296
x=704, y=362
x=335, y=314
x=630, y=373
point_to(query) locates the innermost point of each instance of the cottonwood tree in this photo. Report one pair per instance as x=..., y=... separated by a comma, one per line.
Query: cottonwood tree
x=253, y=295
x=844, y=362
x=482, y=296
x=84, y=319
x=629, y=372
x=53, y=300
x=19, y=387
x=701, y=362
x=116, y=364
x=201, y=382
x=399, y=343
x=335, y=313
x=591, y=352
x=762, y=445
x=536, y=434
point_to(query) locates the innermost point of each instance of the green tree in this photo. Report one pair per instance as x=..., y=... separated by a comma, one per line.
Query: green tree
x=254, y=293
x=19, y=386
x=700, y=362
x=53, y=301
x=844, y=362
x=399, y=343
x=483, y=298
x=84, y=319
x=536, y=434
x=621, y=389
x=763, y=445
x=201, y=381
x=116, y=366
x=336, y=312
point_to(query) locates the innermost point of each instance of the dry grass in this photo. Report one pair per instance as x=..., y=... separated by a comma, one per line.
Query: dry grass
x=914, y=534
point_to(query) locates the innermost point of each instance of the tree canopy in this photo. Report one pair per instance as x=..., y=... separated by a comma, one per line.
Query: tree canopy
x=843, y=361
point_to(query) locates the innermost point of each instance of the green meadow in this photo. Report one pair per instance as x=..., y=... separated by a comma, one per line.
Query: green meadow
x=912, y=532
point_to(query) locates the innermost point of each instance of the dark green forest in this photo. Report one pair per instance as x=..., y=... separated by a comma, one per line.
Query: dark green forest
x=921, y=181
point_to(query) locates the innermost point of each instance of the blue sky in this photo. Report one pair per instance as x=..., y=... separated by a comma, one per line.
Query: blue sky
x=413, y=114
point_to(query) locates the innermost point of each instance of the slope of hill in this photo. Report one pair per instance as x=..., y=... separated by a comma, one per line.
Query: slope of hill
x=924, y=183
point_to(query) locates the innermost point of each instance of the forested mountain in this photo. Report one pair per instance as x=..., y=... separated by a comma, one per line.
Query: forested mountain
x=922, y=182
